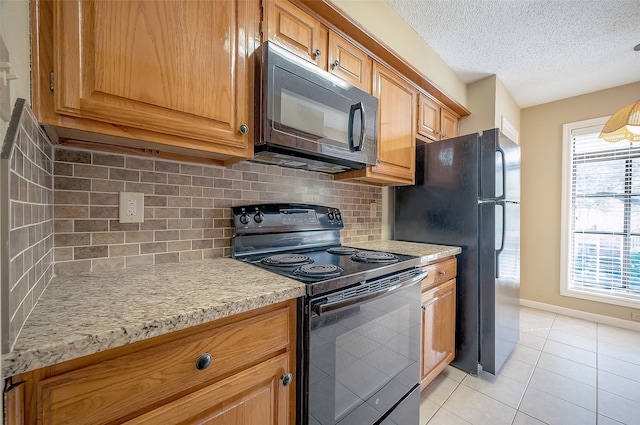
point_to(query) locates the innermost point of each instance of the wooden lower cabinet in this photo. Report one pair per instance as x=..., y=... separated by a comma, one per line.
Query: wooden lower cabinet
x=254, y=396
x=164, y=380
x=438, y=324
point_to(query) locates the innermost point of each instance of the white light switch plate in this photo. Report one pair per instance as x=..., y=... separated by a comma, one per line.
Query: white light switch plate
x=131, y=207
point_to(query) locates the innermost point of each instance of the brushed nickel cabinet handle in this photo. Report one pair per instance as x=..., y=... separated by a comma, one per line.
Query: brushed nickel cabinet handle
x=336, y=63
x=317, y=53
x=244, y=129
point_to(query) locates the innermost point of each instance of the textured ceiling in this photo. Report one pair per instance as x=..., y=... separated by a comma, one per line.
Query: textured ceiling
x=542, y=50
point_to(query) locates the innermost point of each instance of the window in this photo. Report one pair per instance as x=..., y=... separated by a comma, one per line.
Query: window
x=600, y=216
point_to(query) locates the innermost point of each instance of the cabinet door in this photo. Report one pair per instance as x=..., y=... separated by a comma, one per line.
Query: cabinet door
x=118, y=387
x=439, y=273
x=428, y=117
x=296, y=31
x=349, y=62
x=438, y=330
x=449, y=124
x=177, y=68
x=254, y=396
x=14, y=399
x=396, y=125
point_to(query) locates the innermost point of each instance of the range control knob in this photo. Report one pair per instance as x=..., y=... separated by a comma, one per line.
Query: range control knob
x=330, y=215
x=244, y=218
x=338, y=216
x=258, y=217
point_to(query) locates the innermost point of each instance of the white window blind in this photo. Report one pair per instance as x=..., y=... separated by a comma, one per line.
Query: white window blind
x=603, y=246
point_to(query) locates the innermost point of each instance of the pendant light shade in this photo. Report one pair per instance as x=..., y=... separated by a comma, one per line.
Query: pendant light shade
x=623, y=125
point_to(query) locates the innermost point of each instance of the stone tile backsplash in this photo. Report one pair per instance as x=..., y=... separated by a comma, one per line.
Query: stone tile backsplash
x=29, y=172
x=187, y=207
x=61, y=208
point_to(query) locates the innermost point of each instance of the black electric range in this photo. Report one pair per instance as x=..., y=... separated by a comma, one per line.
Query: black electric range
x=302, y=242
x=359, y=330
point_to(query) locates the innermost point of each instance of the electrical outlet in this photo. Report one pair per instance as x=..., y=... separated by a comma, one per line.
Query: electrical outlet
x=373, y=210
x=131, y=207
x=635, y=316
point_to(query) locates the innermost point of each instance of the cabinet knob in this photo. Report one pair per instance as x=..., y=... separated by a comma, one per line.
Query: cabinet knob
x=203, y=361
x=336, y=63
x=317, y=53
x=286, y=379
x=442, y=272
x=423, y=308
x=244, y=129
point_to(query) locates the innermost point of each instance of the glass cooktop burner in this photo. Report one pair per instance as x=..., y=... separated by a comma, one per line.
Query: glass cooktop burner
x=342, y=250
x=374, y=257
x=318, y=270
x=287, y=260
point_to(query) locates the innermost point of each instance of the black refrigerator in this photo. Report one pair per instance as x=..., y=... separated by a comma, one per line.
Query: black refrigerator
x=467, y=194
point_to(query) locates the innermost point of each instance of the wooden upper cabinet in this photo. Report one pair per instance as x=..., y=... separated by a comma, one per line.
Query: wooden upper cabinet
x=171, y=72
x=396, y=132
x=396, y=129
x=349, y=62
x=435, y=122
x=296, y=31
x=449, y=124
x=428, y=117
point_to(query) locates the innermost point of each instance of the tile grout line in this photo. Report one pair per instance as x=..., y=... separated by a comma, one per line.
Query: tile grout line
x=535, y=366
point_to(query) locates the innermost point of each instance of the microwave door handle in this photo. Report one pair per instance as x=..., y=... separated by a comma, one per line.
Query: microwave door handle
x=352, y=113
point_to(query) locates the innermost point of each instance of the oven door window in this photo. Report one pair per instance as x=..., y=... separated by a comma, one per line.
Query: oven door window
x=364, y=358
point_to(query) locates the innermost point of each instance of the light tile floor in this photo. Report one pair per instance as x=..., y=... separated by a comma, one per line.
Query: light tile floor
x=563, y=371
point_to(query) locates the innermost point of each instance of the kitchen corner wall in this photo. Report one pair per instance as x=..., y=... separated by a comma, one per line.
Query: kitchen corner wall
x=27, y=220
x=187, y=207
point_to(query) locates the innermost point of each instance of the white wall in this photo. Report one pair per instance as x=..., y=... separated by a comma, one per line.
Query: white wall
x=385, y=24
x=14, y=31
x=481, y=97
x=489, y=102
x=541, y=142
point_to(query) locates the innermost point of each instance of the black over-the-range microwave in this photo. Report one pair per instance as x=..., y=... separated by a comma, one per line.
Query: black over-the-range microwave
x=308, y=119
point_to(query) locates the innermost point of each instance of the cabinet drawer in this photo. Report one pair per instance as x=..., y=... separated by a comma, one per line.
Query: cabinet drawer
x=124, y=385
x=439, y=272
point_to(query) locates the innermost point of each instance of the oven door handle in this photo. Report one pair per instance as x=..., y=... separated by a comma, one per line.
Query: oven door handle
x=339, y=305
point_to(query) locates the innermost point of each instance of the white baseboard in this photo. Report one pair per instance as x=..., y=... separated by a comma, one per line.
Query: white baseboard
x=598, y=318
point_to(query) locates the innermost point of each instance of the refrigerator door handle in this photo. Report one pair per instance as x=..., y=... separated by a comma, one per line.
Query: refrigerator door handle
x=502, y=205
x=504, y=174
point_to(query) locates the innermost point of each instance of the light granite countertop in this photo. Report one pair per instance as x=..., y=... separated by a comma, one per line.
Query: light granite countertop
x=85, y=314
x=427, y=252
